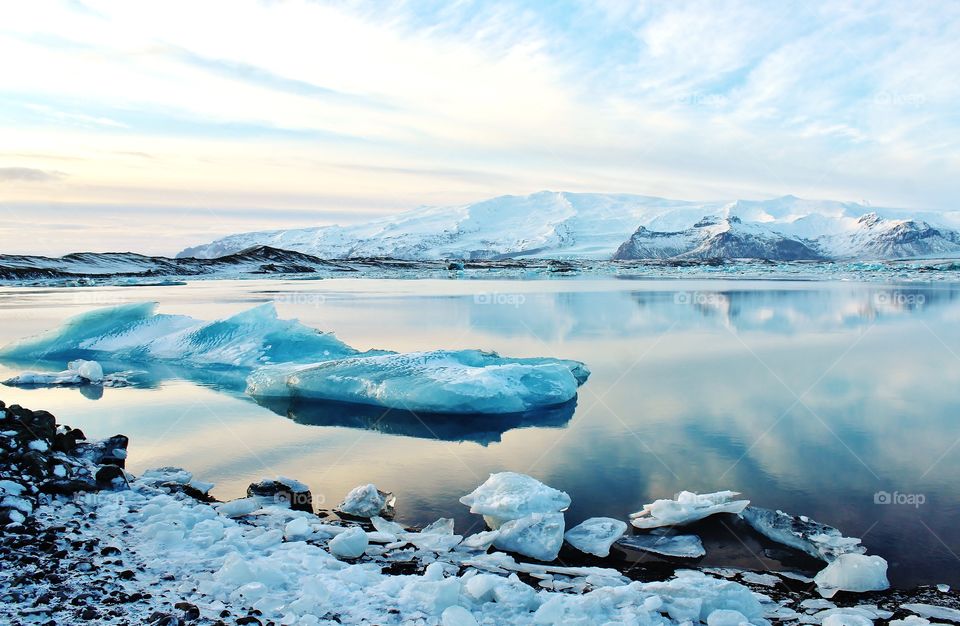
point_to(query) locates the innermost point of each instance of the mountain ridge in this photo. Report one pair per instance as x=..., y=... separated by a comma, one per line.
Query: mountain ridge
x=566, y=225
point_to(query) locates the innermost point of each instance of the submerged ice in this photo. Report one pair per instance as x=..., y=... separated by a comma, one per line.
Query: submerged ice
x=818, y=540
x=286, y=359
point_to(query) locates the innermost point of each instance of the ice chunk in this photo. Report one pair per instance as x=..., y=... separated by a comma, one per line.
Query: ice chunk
x=437, y=537
x=846, y=618
x=480, y=541
x=297, y=528
x=463, y=381
x=852, y=572
x=683, y=546
x=509, y=496
x=694, y=596
x=457, y=616
x=595, y=535
x=39, y=379
x=367, y=501
x=538, y=536
x=818, y=540
x=239, y=507
x=350, y=544
x=727, y=617
x=931, y=611
x=767, y=580
x=686, y=508
x=88, y=370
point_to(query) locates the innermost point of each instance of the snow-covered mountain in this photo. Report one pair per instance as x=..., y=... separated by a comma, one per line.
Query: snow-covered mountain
x=603, y=226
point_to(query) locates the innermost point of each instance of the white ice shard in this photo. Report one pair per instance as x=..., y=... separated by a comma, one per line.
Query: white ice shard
x=435, y=537
x=852, y=572
x=367, y=501
x=480, y=541
x=538, y=536
x=596, y=535
x=350, y=544
x=462, y=381
x=683, y=546
x=818, y=540
x=286, y=359
x=686, y=508
x=79, y=372
x=509, y=495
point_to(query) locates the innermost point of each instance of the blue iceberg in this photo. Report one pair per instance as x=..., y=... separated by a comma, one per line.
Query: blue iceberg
x=286, y=359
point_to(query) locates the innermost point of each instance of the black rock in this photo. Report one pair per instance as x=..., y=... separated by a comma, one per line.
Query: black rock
x=66, y=486
x=283, y=494
x=66, y=442
x=110, y=475
x=190, y=611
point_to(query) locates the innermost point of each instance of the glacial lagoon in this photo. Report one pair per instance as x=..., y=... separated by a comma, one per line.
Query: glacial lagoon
x=836, y=400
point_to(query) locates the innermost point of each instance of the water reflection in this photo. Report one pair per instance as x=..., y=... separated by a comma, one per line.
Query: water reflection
x=482, y=429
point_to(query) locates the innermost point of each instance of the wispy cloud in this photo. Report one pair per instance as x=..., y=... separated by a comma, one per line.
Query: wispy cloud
x=434, y=102
x=28, y=175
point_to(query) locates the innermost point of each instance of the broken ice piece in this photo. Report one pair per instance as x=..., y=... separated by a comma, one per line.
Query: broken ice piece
x=436, y=537
x=852, y=572
x=682, y=546
x=538, y=536
x=480, y=541
x=596, y=535
x=509, y=496
x=686, y=508
x=367, y=501
x=350, y=544
x=802, y=533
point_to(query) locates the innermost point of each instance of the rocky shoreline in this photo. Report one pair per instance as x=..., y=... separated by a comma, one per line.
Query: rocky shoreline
x=82, y=541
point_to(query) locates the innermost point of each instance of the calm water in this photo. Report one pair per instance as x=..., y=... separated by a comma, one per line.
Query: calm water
x=810, y=397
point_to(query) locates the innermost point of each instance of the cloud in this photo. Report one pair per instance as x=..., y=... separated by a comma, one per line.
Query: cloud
x=438, y=103
x=28, y=175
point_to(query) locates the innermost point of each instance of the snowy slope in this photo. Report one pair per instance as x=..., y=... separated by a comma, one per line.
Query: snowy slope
x=596, y=226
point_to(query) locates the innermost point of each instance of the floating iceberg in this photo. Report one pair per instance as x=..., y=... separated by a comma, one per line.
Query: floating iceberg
x=682, y=546
x=509, y=496
x=596, y=535
x=852, y=572
x=538, y=536
x=686, y=508
x=286, y=359
x=818, y=540
x=463, y=381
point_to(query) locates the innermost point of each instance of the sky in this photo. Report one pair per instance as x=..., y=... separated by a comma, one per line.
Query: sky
x=151, y=126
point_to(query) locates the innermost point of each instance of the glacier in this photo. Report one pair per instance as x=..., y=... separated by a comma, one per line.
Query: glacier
x=564, y=225
x=286, y=359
